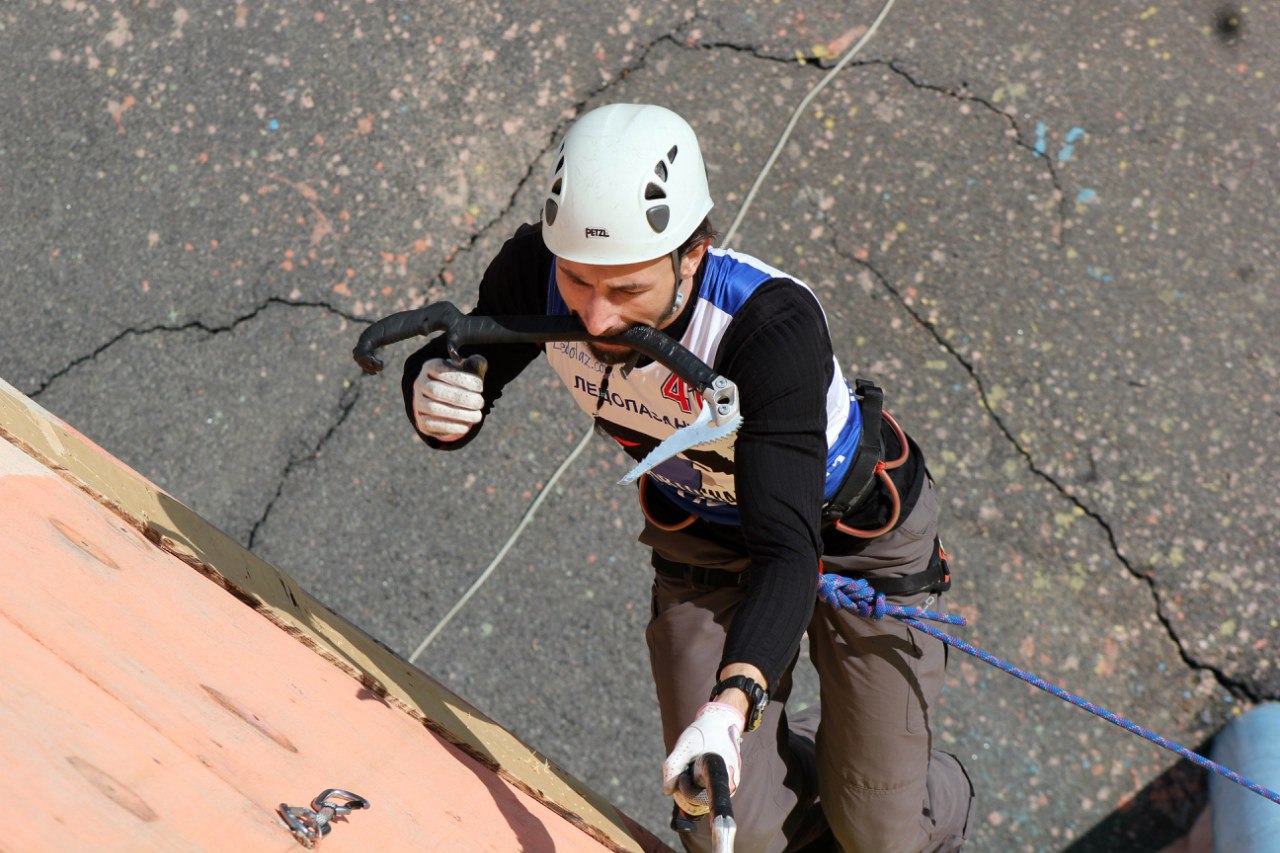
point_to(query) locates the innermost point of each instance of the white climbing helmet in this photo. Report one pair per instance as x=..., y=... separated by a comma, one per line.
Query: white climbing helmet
x=629, y=185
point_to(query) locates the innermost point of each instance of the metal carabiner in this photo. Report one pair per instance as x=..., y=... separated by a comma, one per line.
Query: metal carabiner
x=354, y=801
x=309, y=825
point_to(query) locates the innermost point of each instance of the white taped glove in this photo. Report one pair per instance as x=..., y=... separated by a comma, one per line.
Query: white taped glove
x=448, y=398
x=717, y=728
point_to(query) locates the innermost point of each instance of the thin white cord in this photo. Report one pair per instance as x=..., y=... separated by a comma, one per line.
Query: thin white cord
x=795, y=117
x=515, y=534
x=582, y=443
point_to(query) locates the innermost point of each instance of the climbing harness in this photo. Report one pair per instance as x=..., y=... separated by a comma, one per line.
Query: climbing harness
x=869, y=468
x=660, y=512
x=935, y=578
x=857, y=595
x=698, y=577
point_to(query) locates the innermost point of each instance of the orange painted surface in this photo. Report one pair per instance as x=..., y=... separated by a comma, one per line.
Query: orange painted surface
x=144, y=707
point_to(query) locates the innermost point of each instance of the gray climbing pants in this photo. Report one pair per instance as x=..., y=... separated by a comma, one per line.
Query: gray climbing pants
x=856, y=774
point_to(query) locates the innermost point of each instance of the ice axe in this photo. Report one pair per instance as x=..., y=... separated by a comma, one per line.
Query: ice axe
x=719, y=416
x=708, y=777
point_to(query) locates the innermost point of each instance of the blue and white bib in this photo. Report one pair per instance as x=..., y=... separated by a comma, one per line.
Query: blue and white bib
x=652, y=402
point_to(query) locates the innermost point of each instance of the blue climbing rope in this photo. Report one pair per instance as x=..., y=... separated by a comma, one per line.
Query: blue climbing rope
x=857, y=595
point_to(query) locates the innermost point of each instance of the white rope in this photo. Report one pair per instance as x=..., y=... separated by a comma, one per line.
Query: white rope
x=795, y=117
x=582, y=443
x=511, y=540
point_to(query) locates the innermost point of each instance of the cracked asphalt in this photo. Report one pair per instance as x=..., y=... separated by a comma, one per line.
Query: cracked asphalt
x=1047, y=230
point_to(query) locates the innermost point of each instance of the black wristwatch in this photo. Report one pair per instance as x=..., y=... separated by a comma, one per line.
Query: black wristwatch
x=756, y=695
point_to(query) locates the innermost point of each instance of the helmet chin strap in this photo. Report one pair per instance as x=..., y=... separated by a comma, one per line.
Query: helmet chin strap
x=677, y=299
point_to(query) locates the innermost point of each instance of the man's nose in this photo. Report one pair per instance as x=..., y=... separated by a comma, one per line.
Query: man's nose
x=600, y=317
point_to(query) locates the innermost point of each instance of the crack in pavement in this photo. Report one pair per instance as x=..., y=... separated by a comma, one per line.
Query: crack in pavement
x=805, y=60
x=959, y=93
x=199, y=325
x=556, y=132
x=1237, y=688
x=351, y=394
x=346, y=403
x=962, y=93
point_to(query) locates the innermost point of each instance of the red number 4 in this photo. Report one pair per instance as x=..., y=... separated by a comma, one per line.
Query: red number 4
x=674, y=389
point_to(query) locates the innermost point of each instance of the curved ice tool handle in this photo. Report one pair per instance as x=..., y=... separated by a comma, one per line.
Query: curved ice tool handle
x=707, y=779
x=719, y=416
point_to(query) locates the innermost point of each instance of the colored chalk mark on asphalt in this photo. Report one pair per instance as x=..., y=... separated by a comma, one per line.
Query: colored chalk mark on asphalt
x=1067, y=152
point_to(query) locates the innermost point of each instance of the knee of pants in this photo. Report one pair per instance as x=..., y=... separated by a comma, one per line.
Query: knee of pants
x=889, y=822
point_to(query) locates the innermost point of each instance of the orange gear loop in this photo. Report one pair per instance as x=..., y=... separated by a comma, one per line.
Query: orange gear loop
x=902, y=441
x=669, y=527
x=893, y=517
x=880, y=471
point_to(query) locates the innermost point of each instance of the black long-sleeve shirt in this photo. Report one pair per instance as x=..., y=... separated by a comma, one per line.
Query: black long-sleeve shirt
x=777, y=351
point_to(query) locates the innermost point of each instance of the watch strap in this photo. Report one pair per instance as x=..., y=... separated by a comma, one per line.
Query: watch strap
x=757, y=698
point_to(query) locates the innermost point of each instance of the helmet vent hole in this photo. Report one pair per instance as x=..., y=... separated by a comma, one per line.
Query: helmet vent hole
x=653, y=191
x=555, y=188
x=550, y=211
x=658, y=218
x=559, y=167
x=660, y=170
x=671, y=155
